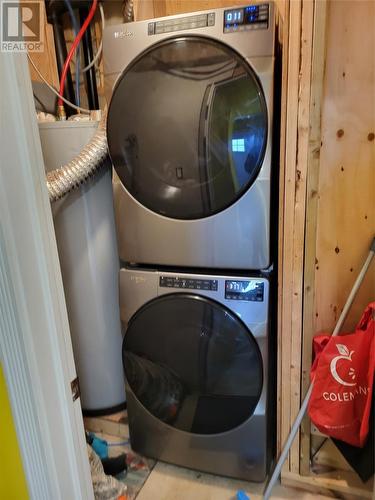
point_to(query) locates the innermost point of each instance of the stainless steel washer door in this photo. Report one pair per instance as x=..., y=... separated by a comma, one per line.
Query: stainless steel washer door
x=187, y=127
x=193, y=364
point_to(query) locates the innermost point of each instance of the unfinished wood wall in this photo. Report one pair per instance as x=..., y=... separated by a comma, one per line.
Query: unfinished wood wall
x=346, y=194
x=170, y=7
x=45, y=61
x=340, y=213
x=293, y=174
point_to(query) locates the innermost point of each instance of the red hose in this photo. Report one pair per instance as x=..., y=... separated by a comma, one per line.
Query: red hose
x=73, y=48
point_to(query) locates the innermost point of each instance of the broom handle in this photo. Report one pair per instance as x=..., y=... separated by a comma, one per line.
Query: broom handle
x=302, y=411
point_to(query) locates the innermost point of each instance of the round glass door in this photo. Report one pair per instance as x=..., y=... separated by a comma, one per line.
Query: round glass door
x=193, y=364
x=187, y=127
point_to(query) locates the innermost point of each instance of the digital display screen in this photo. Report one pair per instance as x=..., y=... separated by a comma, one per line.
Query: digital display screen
x=239, y=286
x=246, y=18
x=233, y=16
x=251, y=290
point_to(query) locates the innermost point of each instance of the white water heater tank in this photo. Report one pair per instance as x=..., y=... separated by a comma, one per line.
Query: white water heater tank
x=86, y=238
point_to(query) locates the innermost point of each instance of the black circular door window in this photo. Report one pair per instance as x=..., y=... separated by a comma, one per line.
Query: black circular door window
x=193, y=364
x=187, y=127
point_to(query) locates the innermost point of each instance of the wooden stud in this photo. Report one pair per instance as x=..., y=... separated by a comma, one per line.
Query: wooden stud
x=285, y=333
x=313, y=161
x=299, y=216
x=346, y=483
x=284, y=25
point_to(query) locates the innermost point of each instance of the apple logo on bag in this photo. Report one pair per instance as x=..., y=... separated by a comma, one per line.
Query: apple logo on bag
x=343, y=354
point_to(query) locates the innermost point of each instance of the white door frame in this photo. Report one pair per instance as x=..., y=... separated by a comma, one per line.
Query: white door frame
x=35, y=346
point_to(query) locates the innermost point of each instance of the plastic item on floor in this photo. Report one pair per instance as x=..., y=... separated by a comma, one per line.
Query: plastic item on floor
x=241, y=495
x=100, y=446
x=114, y=466
x=105, y=487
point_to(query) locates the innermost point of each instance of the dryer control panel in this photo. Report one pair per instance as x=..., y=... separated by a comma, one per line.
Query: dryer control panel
x=181, y=23
x=253, y=17
x=189, y=283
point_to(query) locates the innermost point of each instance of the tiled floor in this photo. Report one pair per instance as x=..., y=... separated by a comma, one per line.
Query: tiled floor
x=168, y=482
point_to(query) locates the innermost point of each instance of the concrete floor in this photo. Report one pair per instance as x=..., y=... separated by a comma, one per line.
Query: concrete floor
x=168, y=482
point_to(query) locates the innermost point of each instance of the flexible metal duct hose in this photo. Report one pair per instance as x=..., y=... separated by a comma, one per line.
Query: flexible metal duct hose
x=128, y=11
x=90, y=159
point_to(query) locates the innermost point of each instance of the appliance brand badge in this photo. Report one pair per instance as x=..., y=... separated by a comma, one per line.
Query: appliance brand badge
x=123, y=34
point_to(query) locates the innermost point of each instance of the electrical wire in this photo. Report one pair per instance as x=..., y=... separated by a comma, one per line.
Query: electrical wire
x=55, y=91
x=100, y=48
x=75, y=25
x=73, y=48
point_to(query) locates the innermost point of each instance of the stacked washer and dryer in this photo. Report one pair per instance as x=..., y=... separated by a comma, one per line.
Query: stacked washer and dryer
x=189, y=135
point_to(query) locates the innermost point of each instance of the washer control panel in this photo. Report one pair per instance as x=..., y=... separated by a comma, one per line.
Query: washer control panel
x=188, y=283
x=250, y=290
x=181, y=23
x=253, y=17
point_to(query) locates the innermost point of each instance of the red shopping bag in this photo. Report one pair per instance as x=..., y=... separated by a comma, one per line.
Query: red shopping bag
x=343, y=374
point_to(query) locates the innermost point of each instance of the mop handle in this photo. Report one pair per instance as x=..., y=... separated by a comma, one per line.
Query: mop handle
x=302, y=411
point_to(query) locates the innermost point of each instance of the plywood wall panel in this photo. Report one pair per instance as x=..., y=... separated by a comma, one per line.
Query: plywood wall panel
x=182, y=6
x=171, y=7
x=144, y=9
x=346, y=196
x=45, y=60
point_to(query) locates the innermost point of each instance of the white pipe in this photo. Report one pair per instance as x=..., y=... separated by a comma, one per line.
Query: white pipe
x=302, y=411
